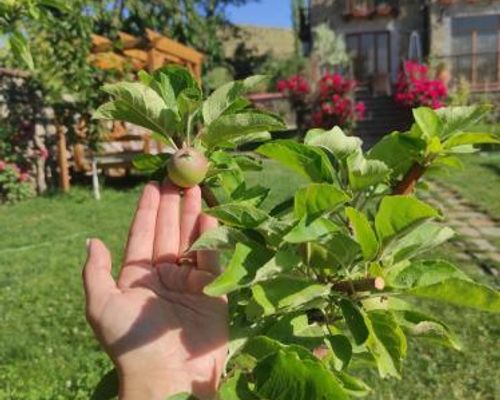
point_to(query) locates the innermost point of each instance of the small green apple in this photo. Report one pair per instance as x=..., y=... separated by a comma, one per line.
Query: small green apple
x=187, y=167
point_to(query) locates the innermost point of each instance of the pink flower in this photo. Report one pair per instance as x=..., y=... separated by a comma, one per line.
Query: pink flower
x=43, y=153
x=24, y=176
x=2, y=165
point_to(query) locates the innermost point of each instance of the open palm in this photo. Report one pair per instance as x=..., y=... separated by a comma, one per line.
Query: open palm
x=163, y=334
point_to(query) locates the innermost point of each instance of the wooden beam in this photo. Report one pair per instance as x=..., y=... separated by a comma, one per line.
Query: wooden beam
x=137, y=54
x=155, y=60
x=15, y=73
x=62, y=158
x=129, y=41
x=108, y=60
x=172, y=47
x=100, y=43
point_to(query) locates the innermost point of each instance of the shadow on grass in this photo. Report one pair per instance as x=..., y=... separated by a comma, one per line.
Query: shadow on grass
x=492, y=167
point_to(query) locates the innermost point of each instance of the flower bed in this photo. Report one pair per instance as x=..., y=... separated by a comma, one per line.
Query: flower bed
x=414, y=87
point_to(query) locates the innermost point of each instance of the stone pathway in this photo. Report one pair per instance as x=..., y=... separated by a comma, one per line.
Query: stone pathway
x=477, y=232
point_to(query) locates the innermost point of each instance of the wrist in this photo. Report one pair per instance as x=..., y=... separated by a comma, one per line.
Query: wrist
x=149, y=387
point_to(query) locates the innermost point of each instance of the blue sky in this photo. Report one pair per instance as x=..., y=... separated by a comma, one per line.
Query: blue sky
x=264, y=12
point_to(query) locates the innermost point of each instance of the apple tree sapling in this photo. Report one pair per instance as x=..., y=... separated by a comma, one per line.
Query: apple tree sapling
x=326, y=281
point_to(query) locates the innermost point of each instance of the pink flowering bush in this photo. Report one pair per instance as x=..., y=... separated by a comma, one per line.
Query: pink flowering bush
x=333, y=104
x=296, y=87
x=414, y=87
x=14, y=183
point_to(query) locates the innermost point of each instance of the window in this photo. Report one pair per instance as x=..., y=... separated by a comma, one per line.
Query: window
x=475, y=48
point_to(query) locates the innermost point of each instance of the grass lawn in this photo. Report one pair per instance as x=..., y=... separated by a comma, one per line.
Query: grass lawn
x=478, y=182
x=47, y=352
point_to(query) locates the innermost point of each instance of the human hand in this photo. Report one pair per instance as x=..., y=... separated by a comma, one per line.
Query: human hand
x=162, y=333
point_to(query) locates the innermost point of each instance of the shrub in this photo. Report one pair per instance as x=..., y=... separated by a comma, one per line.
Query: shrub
x=14, y=183
x=414, y=87
x=332, y=104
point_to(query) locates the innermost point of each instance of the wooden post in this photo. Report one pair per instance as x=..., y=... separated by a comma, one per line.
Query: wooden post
x=62, y=159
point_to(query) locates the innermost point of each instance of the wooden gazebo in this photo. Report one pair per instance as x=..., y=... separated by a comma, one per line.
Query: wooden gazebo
x=150, y=53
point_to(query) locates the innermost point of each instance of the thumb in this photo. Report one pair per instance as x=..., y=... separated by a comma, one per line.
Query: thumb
x=97, y=280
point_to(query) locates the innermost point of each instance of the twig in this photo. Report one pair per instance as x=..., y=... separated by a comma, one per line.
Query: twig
x=209, y=196
x=359, y=285
x=407, y=184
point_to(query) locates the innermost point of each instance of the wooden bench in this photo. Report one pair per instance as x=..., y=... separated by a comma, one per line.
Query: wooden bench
x=117, y=150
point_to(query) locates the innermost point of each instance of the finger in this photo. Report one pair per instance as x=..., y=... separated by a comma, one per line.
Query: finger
x=208, y=260
x=139, y=249
x=167, y=225
x=97, y=280
x=191, y=209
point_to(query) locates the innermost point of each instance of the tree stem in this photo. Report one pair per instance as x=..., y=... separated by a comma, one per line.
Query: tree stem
x=209, y=196
x=359, y=285
x=407, y=184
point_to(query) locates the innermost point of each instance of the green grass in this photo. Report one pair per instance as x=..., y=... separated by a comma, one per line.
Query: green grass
x=48, y=352
x=478, y=182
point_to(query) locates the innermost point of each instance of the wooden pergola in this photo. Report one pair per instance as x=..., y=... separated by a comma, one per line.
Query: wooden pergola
x=149, y=52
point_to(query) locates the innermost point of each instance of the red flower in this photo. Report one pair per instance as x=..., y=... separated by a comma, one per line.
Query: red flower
x=24, y=176
x=3, y=165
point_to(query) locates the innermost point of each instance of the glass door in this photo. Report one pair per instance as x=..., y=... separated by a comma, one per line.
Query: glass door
x=371, y=54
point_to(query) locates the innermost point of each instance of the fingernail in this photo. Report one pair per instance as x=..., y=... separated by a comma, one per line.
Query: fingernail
x=87, y=243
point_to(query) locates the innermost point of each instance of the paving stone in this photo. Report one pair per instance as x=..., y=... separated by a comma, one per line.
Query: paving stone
x=484, y=221
x=490, y=230
x=462, y=256
x=482, y=245
x=468, y=231
x=494, y=256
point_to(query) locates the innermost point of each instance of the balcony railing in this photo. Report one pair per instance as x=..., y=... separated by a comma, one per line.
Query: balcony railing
x=371, y=8
x=481, y=70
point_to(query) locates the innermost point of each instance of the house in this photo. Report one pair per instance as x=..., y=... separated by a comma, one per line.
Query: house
x=463, y=35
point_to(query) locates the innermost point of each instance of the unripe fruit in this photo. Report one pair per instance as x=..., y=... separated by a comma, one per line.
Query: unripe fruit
x=187, y=167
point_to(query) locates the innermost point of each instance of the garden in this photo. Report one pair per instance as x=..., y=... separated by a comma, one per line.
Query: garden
x=349, y=270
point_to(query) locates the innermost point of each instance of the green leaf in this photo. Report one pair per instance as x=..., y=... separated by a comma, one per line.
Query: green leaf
x=363, y=233
x=426, y=327
x=235, y=388
x=248, y=163
x=424, y=273
x=180, y=78
x=259, y=347
x=305, y=160
x=20, y=48
x=422, y=239
x=138, y=104
x=398, y=151
x=355, y=321
x=363, y=172
x=149, y=162
x=222, y=237
x=225, y=96
x=308, y=231
x=386, y=342
x=461, y=118
x=463, y=138
x=242, y=215
x=241, y=271
x=352, y=385
x=335, y=251
x=254, y=195
x=342, y=351
x=284, y=260
x=428, y=121
x=233, y=126
x=334, y=140
x=318, y=198
x=461, y=293
x=283, y=376
x=397, y=215
x=284, y=294
x=295, y=329
x=164, y=88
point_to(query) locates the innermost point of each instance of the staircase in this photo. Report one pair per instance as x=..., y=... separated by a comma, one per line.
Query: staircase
x=383, y=116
